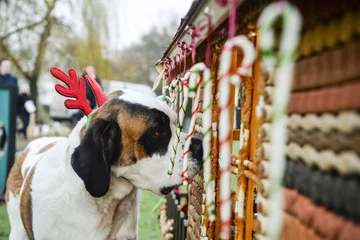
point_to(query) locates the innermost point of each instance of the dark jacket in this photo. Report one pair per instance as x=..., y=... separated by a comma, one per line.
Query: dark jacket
x=10, y=80
x=2, y=138
x=21, y=100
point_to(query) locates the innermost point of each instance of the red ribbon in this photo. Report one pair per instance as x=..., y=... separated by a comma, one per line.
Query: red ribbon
x=221, y=3
x=232, y=19
x=177, y=60
x=195, y=33
x=168, y=68
x=232, y=15
x=208, y=44
x=183, y=51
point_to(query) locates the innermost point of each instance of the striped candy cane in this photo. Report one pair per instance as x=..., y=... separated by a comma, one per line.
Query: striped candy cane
x=197, y=70
x=206, y=131
x=174, y=91
x=224, y=120
x=183, y=100
x=283, y=78
x=194, y=92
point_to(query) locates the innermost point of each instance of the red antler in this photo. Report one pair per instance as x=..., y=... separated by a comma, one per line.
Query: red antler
x=77, y=90
x=96, y=88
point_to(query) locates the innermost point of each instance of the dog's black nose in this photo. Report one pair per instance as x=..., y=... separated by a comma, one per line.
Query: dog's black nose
x=166, y=190
x=196, y=149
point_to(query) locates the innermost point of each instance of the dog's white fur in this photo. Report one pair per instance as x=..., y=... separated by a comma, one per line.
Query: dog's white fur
x=61, y=206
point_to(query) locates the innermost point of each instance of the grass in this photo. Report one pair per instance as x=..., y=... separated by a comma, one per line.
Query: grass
x=4, y=223
x=148, y=225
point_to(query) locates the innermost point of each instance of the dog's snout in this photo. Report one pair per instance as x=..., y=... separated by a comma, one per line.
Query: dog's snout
x=196, y=149
x=166, y=190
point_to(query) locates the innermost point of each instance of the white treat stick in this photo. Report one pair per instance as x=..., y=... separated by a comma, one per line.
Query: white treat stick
x=224, y=120
x=194, y=92
x=182, y=109
x=283, y=78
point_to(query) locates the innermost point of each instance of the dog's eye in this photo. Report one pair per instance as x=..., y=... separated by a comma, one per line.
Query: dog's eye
x=157, y=133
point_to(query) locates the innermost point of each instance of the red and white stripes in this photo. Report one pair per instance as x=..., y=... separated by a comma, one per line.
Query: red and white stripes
x=225, y=79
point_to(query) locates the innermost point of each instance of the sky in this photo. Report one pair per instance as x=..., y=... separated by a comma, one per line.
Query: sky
x=128, y=21
x=136, y=17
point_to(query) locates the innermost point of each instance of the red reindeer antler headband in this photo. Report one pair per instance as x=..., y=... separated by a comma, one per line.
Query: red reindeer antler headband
x=77, y=90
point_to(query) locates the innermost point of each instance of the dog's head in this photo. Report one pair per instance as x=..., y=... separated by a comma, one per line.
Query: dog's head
x=131, y=136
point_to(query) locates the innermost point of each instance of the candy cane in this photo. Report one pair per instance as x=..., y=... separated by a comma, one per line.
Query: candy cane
x=194, y=92
x=283, y=78
x=207, y=129
x=182, y=109
x=174, y=90
x=224, y=120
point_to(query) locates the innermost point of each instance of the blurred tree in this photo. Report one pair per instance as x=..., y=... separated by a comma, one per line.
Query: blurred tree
x=38, y=34
x=35, y=38
x=143, y=55
x=91, y=48
x=20, y=20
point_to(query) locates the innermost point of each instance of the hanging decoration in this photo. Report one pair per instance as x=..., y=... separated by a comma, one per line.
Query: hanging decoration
x=279, y=68
x=183, y=100
x=225, y=79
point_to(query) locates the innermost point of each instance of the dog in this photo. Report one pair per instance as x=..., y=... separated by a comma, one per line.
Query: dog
x=86, y=186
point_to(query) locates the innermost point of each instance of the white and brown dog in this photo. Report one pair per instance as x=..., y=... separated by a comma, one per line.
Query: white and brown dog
x=86, y=186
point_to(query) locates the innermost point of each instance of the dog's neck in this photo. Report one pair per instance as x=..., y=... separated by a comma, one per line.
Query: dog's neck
x=119, y=187
x=76, y=134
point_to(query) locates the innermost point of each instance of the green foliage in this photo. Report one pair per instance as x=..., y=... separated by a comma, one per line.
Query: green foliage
x=4, y=223
x=149, y=226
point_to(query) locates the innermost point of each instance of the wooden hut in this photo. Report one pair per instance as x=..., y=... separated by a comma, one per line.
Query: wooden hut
x=321, y=184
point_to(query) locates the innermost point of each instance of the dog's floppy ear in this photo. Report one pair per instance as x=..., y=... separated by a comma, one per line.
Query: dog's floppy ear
x=98, y=150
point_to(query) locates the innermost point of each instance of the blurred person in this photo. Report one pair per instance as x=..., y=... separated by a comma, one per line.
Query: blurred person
x=89, y=93
x=25, y=107
x=2, y=136
x=6, y=78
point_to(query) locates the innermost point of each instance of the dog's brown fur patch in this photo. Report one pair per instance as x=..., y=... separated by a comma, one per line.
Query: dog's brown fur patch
x=46, y=147
x=114, y=94
x=132, y=128
x=26, y=205
x=15, y=179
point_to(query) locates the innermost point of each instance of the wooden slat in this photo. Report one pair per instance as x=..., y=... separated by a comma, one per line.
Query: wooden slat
x=236, y=134
x=232, y=96
x=253, y=146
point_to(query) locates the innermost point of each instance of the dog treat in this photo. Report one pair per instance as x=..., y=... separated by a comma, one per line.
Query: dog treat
x=346, y=163
x=344, y=122
x=331, y=190
x=226, y=78
x=331, y=99
x=328, y=68
x=262, y=205
x=295, y=230
x=182, y=109
x=336, y=141
x=284, y=63
x=325, y=222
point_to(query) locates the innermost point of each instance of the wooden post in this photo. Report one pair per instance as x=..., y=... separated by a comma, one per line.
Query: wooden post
x=232, y=96
x=253, y=145
x=214, y=227
x=244, y=152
